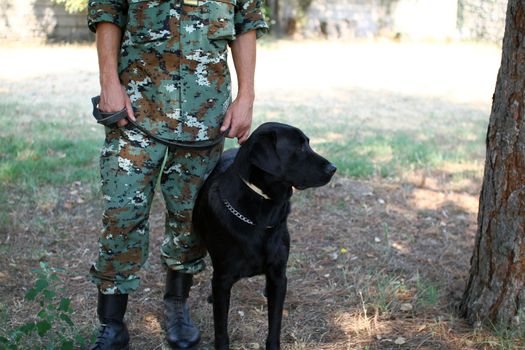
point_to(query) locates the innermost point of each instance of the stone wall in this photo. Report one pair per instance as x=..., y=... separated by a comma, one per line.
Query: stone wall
x=334, y=19
x=40, y=20
x=346, y=18
x=414, y=19
x=482, y=19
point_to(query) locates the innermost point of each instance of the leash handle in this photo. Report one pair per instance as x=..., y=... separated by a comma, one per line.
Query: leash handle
x=109, y=119
x=105, y=118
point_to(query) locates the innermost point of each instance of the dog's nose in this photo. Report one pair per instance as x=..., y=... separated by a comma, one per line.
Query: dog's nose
x=330, y=169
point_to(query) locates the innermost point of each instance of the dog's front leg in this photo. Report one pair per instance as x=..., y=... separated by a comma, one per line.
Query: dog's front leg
x=221, y=290
x=276, y=292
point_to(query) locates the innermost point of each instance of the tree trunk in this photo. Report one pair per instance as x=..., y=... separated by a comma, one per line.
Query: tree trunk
x=495, y=293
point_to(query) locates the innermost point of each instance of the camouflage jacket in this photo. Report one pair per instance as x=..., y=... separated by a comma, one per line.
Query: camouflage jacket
x=173, y=59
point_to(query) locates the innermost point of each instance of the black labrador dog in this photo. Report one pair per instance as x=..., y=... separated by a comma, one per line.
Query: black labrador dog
x=241, y=213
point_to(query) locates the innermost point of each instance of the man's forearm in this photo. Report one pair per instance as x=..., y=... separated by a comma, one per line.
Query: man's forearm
x=239, y=116
x=108, y=48
x=113, y=96
x=244, y=58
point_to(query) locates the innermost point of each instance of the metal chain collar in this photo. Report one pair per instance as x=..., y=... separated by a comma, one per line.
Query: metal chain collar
x=237, y=214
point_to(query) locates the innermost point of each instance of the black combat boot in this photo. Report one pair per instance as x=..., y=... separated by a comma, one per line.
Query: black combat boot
x=113, y=333
x=181, y=333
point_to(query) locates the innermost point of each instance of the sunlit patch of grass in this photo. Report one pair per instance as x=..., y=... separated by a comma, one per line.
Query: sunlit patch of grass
x=353, y=165
x=368, y=144
x=392, y=293
x=382, y=155
x=45, y=145
x=54, y=161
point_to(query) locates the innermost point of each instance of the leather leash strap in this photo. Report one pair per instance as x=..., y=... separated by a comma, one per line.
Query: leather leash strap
x=108, y=119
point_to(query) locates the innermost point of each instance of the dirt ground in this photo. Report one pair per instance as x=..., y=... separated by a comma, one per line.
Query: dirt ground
x=365, y=256
x=375, y=263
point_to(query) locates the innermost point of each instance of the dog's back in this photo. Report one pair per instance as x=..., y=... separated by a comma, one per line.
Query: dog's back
x=226, y=161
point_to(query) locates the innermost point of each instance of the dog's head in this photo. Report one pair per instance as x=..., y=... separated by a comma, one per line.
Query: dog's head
x=284, y=152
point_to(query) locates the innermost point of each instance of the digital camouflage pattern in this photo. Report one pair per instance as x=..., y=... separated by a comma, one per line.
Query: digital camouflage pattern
x=130, y=164
x=173, y=59
x=173, y=62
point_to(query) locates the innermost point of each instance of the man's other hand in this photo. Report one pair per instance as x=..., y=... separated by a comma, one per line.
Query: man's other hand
x=239, y=118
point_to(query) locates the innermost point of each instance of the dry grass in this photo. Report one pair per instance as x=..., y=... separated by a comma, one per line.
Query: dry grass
x=361, y=252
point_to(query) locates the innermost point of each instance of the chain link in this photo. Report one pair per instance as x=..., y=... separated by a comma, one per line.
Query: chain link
x=237, y=214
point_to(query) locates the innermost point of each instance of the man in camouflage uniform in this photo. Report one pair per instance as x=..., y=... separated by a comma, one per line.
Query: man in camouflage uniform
x=165, y=61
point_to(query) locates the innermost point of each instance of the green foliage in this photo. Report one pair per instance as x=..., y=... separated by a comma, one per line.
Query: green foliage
x=73, y=6
x=51, y=322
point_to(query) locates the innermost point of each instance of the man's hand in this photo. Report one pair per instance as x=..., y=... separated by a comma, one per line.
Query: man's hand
x=113, y=99
x=239, y=118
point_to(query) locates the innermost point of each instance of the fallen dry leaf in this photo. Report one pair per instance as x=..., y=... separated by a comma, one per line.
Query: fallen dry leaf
x=406, y=307
x=400, y=341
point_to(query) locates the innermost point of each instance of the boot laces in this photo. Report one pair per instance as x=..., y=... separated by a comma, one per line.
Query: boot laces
x=102, y=337
x=179, y=308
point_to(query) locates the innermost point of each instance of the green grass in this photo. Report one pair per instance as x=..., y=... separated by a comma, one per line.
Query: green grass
x=4, y=210
x=387, y=288
x=386, y=145
x=390, y=154
x=509, y=338
x=384, y=289
x=32, y=163
x=42, y=145
x=45, y=146
x=427, y=292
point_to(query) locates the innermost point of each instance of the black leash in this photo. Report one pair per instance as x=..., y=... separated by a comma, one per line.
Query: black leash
x=109, y=119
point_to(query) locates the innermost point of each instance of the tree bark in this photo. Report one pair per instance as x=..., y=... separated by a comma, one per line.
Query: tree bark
x=495, y=292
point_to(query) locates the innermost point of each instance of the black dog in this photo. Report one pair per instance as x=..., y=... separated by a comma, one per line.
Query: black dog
x=241, y=213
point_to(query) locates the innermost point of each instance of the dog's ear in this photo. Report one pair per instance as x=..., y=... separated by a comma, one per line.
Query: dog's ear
x=264, y=154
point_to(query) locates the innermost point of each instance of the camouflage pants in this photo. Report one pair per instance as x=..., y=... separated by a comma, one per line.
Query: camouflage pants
x=130, y=164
